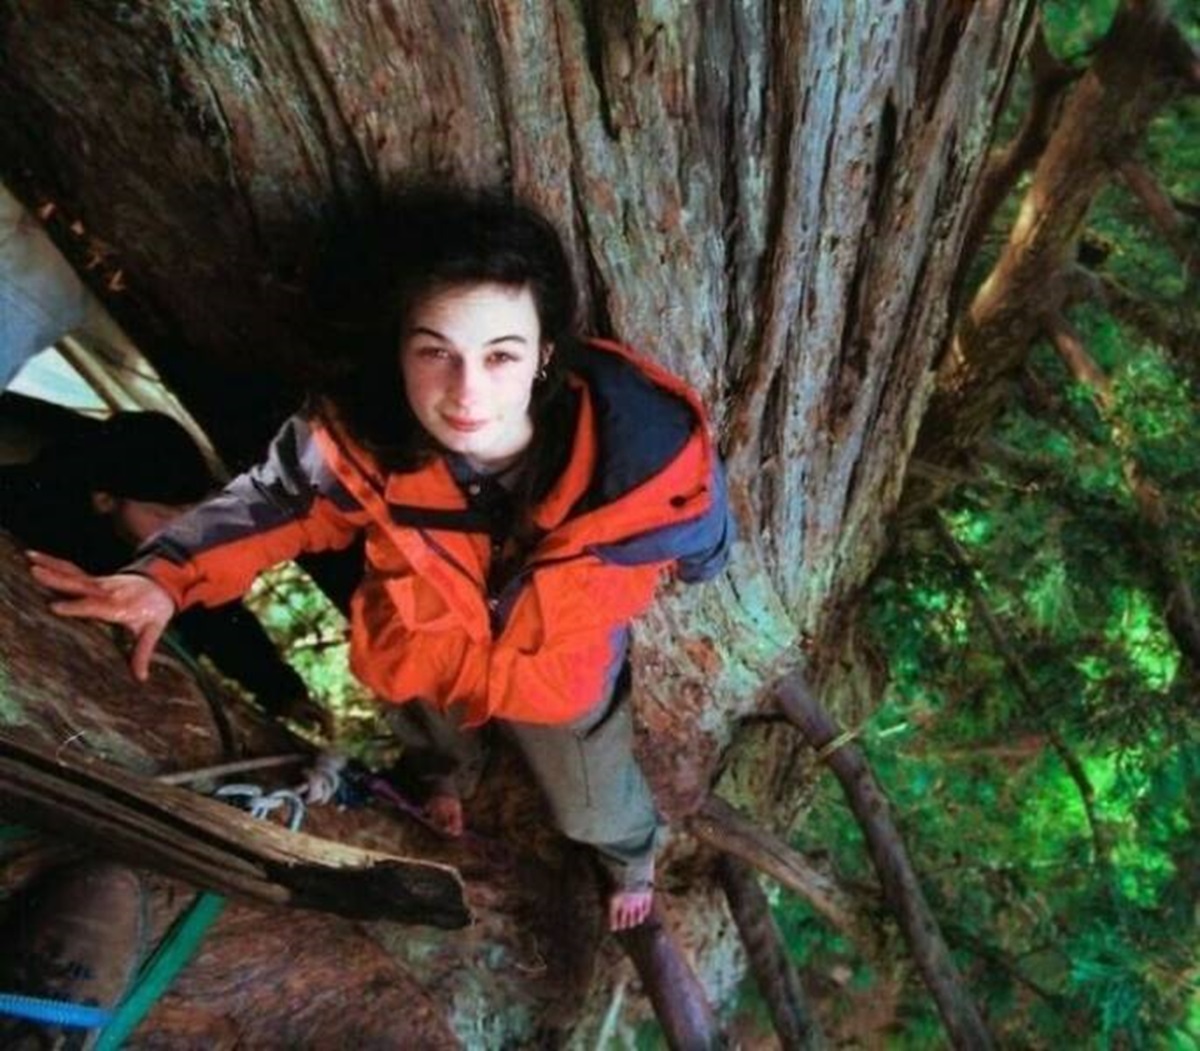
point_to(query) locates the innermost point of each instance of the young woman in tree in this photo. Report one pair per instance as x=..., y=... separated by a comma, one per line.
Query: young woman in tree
x=521, y=493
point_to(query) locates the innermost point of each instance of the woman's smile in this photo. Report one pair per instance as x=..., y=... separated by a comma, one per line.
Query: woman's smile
x=469, y=356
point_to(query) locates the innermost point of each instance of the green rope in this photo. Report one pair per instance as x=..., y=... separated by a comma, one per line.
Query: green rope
x=156, y=976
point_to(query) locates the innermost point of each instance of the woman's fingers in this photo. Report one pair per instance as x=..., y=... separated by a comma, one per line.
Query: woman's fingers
x=143, y=650
x=135, y=602
x=94, y=606
x=60, y=575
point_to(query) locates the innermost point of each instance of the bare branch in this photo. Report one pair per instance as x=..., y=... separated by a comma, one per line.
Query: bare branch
x=1051, y=78
x=901, y=888
x=773, y=971
x=679, y=1000
x=1170, y=224
x=1166, y=558
x=1104, y=116
x=724, y=827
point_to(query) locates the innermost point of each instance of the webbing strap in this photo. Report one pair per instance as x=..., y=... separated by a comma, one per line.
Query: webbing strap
x=156, y=975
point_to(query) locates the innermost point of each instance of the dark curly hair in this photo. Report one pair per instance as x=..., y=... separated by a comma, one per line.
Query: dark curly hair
x=429, y=238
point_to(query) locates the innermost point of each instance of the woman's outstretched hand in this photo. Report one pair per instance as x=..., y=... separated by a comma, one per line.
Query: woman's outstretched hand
x=136, y=603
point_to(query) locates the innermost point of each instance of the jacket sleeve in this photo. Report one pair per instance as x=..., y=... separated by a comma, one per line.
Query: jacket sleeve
x=289, y=504
x=709, y=538
x=699, y=546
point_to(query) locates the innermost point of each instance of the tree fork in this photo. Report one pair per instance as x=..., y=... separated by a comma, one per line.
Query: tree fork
x=722, y=826
x=773, y=971
x=1142, y=63
x=901, y=888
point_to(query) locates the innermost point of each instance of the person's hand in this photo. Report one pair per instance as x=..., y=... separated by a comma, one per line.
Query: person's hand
x=134, y=602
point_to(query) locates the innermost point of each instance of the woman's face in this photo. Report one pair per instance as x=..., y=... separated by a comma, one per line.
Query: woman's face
x=469, y=355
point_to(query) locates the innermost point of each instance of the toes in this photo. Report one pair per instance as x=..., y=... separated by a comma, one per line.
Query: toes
x=629, y=909
x=445, y=813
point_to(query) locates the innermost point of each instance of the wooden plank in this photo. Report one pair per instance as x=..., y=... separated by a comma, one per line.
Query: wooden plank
x=215, y=846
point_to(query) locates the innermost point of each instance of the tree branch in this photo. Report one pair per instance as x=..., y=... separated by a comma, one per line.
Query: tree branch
x=773, y=971
x=1174, y=334
x=1050, y=80
x=678, y=998
x=722, y=826
x=1133, y=75
x=1171, y=568
x=1161, y=212
x=901, y=888
x=1026, y=690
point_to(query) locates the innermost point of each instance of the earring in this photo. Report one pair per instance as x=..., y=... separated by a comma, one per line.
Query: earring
x=540, y=375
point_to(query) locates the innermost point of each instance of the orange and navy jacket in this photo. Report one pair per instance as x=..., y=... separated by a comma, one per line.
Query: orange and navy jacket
x=643, y=492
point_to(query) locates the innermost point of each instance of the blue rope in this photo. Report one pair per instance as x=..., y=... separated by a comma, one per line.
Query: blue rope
x=54, y=1012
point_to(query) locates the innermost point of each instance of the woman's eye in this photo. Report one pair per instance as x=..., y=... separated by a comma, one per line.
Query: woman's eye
x=500, y=357
x=432, y=353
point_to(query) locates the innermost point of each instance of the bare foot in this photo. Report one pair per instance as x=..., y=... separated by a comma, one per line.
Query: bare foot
x=629, y=908
x=445, y=813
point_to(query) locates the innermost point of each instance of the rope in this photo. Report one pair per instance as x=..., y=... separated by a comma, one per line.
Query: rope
x=261, y=805
x=178, y=946
x=838, y=742
x=53, y=1012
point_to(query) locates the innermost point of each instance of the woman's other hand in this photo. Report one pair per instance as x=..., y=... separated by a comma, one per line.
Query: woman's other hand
x=134, y=602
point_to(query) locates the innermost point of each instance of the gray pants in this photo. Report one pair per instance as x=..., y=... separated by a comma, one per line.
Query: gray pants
x=586, y=770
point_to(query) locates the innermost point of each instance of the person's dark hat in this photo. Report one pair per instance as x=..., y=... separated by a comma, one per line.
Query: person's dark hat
x=146, y=456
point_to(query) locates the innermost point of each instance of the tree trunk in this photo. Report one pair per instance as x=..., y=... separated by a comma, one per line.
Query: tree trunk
x=769, y=199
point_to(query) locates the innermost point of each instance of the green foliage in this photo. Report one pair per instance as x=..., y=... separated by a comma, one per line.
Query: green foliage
x=314, y=637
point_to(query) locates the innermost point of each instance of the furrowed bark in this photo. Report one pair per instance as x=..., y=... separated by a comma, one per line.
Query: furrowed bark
x=777, y=981
x=769, y=199
x=901, y=888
